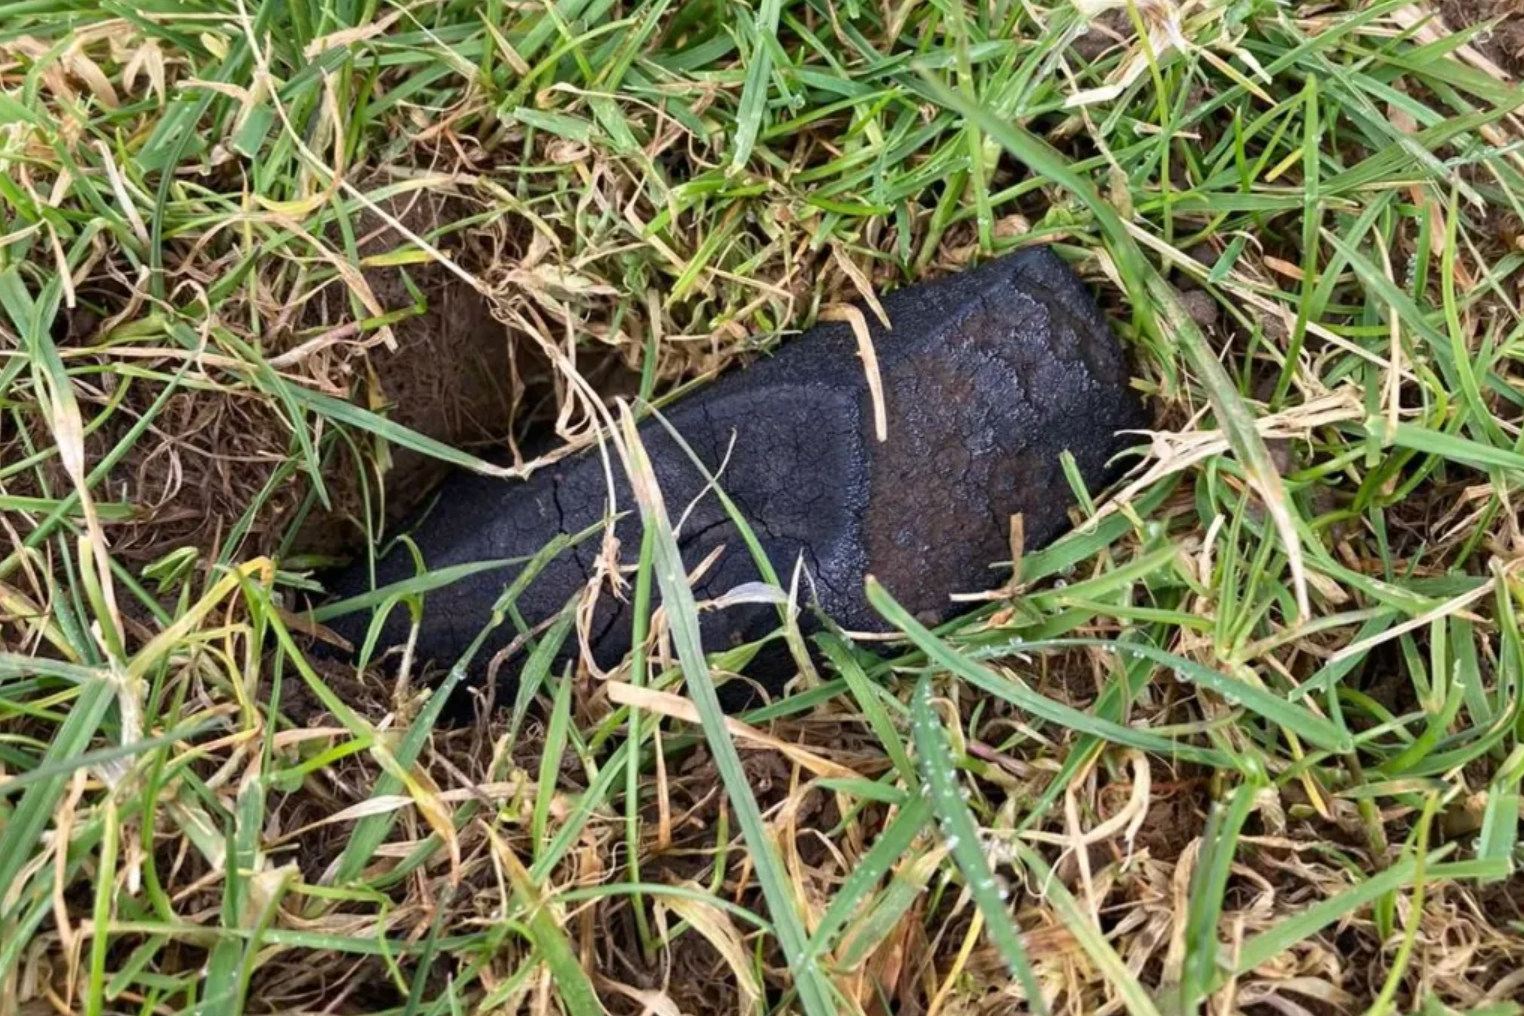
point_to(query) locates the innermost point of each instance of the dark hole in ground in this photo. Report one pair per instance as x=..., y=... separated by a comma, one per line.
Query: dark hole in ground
x=457, y=374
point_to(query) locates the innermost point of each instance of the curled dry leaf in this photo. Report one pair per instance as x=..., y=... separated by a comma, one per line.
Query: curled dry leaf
x=715, y=925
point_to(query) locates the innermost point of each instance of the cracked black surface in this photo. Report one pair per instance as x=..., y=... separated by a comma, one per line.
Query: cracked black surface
x=988, y=376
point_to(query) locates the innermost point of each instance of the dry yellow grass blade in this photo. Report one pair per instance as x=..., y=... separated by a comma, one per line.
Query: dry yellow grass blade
x=1175, y=451
x=854, y=317
x=188, y=622
x=17, y=604
x=676, y=707
x=427, y=798
x=720, y=932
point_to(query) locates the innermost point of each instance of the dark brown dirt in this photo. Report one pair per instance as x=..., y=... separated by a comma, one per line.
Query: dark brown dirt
x=451, y=375
x=207, y=459
x=1504, y=43
x=457, y=374
x=701, y=982
x=1111, y=29
x=1174, y=815
x=211, y=452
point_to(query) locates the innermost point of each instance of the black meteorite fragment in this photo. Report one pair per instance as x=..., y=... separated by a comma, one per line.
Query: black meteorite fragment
x=988, y=376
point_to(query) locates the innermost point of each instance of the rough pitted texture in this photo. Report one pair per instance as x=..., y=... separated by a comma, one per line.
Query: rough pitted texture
x=988, y=377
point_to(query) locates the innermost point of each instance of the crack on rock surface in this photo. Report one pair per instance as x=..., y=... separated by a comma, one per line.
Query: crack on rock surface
x=988, y=376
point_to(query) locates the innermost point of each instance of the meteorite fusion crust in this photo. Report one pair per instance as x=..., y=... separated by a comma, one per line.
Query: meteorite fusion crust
x=988, y=376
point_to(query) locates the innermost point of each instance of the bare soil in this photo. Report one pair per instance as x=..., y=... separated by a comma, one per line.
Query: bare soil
x=1504, y=42
x=449, y=375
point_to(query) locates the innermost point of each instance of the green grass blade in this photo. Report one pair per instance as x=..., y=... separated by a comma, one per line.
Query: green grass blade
x=1304, y=722
x=550, y=761
x=963, y=841
x=1499, y=837
x=886, y=851
x=1020, y=695
x=1147, y=287
x=1265, y=946
x=682, y=614
x=758, y=76
x=1208, y=888
x=572, y=984
x=26, y=823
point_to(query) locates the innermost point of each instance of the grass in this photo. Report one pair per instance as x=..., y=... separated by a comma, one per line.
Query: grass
x=1249, y=738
